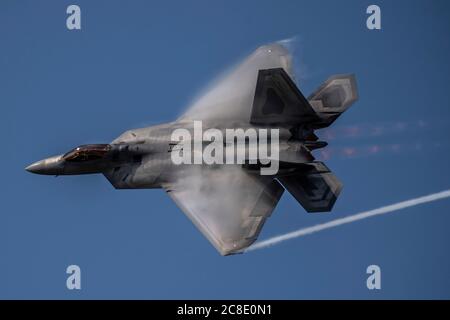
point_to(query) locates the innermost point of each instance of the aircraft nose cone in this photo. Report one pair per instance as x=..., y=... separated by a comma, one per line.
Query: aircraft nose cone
x=36, y=167
x=51, y=166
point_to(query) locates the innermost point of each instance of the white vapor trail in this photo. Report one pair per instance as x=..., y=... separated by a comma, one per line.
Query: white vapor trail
x=349, y=219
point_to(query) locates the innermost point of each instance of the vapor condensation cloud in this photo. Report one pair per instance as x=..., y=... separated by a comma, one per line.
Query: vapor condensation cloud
x=349, y=219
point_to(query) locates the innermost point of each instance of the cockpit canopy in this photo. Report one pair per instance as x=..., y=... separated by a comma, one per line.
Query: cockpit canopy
x=87, y=152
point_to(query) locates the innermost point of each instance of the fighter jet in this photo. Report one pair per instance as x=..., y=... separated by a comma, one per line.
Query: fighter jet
x=229, y=203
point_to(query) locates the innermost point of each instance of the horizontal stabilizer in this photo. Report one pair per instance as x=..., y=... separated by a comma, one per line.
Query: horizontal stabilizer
x=316, y=189
x=278, y=101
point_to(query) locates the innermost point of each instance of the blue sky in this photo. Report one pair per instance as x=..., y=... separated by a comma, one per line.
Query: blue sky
x=138, y=63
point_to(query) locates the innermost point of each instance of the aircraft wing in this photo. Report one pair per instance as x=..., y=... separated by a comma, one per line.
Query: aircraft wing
x=231, y=98
x=228, y=205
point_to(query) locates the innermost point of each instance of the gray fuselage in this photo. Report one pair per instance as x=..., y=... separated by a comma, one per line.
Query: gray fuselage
x=142, y=158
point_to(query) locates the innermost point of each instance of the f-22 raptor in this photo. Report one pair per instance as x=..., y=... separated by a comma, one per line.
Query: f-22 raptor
x=229, y=203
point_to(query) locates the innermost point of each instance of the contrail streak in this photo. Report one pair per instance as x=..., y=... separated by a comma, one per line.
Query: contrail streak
x=350, y=219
